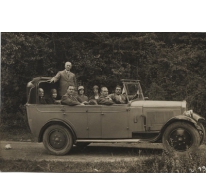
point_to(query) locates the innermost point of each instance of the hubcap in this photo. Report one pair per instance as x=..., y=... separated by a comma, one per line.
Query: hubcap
x=57, y=139
x=180, y=139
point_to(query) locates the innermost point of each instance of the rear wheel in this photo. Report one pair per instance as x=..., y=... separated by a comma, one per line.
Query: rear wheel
x=181, y=137
x=57, y=140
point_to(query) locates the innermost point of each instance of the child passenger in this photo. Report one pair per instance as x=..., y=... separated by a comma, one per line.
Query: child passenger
x=52, y=98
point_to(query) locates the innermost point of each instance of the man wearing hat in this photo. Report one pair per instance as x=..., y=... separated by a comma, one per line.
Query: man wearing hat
x=81, y=97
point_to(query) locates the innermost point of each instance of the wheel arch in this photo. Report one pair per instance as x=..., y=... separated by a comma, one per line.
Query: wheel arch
x=56, y=122
x=180, y=118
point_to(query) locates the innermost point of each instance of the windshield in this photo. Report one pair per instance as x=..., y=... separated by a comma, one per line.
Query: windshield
x=132, y=89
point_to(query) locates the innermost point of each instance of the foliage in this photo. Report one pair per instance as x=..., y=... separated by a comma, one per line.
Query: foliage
x=165, y=163
x=171, y=66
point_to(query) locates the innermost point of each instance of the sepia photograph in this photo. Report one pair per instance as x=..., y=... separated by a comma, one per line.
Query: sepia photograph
x=103, y=102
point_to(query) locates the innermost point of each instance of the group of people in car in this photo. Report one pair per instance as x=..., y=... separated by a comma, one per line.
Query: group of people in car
x=67, y=92
x=71, y=99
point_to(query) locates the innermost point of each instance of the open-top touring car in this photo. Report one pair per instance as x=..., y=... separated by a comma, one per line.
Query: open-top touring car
x=61, y=126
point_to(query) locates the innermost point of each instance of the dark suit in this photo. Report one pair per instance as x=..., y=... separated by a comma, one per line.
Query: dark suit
x=69, y=100
x=64, y=81
x=118, y=99
x=82, y=98
x=104, y=100
x=42, y=100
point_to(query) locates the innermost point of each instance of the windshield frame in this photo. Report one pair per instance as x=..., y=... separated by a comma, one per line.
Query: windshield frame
x=127, y=82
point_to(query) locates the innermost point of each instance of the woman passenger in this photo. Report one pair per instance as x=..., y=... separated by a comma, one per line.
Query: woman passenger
x=96, y=95
x=81, y=97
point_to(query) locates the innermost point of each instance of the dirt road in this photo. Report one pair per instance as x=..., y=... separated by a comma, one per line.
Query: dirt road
x=94, y=152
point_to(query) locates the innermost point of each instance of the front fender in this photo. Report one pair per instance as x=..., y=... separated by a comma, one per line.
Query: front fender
x=179, y=118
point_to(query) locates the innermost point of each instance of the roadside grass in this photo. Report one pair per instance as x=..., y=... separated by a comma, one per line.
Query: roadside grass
x=15, y=133
x=163, y=163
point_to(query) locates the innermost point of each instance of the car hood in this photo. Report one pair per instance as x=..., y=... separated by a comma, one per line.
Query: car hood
x=159, y=103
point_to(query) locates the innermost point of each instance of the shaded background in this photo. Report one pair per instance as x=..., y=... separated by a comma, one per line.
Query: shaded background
x=170, y=66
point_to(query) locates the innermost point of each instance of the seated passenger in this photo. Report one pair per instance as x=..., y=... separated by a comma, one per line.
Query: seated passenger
x=69, y=98
x=81, y=97
x=52, y=98
x=41, y=96
x=117, y=97
x=104, y=99
x=96, y=93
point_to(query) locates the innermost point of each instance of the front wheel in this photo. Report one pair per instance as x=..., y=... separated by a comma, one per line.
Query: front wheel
x=57, y=140
x=203, y=134
x=181, y=137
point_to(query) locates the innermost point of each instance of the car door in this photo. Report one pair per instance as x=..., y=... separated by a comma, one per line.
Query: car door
x=94, y=126
x=76, y=117
x=114, y=120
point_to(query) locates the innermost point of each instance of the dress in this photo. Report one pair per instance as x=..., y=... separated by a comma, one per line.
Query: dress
x=118, y=99
x=65, y=79
x=82, y=98
x=69, y=100
x=93, y=97
x=104, y=100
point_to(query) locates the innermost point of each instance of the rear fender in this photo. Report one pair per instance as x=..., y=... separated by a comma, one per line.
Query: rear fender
x=55, y=122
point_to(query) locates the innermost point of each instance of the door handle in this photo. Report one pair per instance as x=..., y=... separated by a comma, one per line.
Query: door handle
x=102, y=113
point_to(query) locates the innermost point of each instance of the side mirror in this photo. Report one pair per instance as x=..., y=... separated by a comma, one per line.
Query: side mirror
x=146, y=98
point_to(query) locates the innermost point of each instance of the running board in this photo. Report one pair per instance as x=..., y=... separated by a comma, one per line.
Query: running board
x=111, y=140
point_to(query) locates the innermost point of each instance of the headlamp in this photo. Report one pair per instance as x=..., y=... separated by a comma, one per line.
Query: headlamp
x=188, y=113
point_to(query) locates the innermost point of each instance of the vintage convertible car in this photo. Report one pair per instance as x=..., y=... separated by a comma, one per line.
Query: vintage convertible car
x=61, y=126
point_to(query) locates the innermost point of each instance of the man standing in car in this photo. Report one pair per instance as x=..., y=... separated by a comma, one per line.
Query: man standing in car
x=66, y=78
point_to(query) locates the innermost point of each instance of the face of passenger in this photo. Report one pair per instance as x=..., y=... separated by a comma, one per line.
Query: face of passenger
x=68, y=66
x=70, y=90
x=104, y=91
x=54, y=95
x=41, y=92
x=95, y=90
x=81, y=91
x=118, y=90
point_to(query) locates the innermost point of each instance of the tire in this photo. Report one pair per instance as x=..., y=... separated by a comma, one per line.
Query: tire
x=203, y=136
x=57, y=140
x=181, y=137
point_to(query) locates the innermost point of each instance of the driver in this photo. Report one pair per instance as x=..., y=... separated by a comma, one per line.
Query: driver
x=118, y=97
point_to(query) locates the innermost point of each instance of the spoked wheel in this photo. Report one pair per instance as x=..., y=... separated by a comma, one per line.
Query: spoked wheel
x=57, y=140
x=181, y=137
